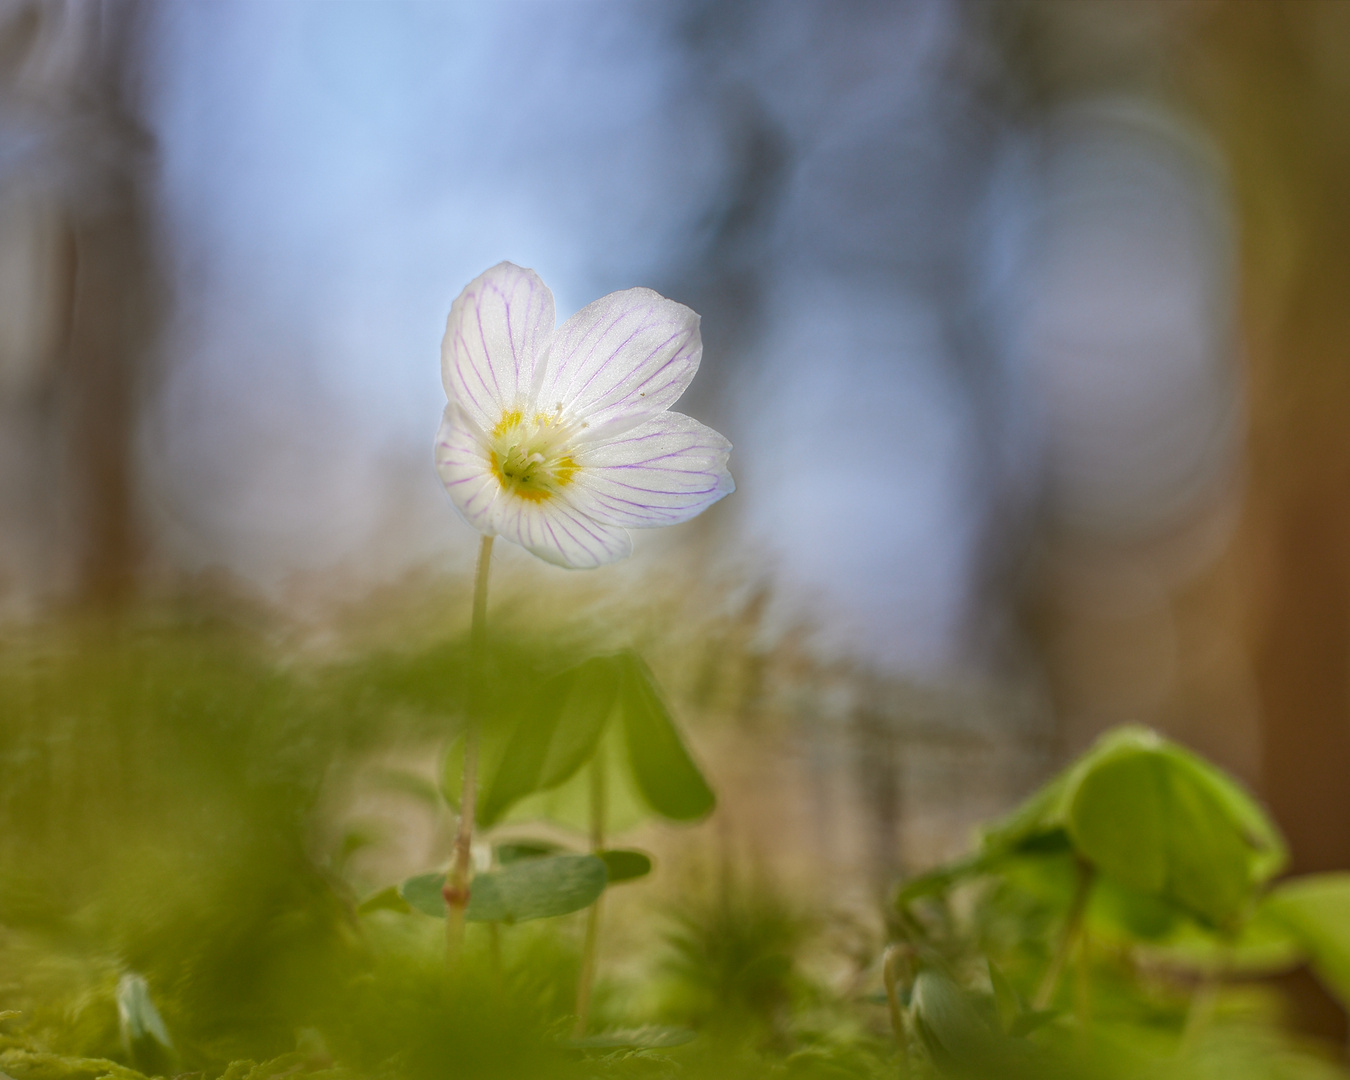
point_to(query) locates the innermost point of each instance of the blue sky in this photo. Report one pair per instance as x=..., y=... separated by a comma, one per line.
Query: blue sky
x=333, y=174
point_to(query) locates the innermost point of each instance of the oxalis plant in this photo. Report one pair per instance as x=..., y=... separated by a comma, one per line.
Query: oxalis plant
x=1152, y=864
x=560, y=439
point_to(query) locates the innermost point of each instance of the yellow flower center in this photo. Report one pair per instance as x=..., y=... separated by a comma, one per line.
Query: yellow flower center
x=530, y=458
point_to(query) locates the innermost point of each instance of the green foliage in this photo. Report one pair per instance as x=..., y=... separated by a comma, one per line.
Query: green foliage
x=550, y=742
x=1095, y=931
x=625, y=865
x=525, y=889
x=1316, y=910
x=538, y=742
x=515, y=850
x=174, y=897
x=733, y=958
x=665, y=773
x=1155, y=819
x=155, y=787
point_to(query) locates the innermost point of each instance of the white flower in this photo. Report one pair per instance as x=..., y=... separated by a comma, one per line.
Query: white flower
x=560, y=439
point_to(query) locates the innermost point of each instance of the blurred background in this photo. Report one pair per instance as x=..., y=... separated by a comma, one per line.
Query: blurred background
x=1027, y=320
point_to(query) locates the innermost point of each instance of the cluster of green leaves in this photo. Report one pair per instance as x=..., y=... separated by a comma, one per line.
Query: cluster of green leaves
x=593, y=747
x=1151, y=872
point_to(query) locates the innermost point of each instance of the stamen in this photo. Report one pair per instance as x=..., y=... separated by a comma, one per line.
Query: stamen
x=531, y=458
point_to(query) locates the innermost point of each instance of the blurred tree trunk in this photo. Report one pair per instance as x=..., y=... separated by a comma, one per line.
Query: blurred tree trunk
x=1278, y=96
x=1247, y=656
x=80, y=303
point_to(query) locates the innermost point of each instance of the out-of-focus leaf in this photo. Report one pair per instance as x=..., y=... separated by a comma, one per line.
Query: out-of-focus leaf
x=625, y=865
x=510, y=851
x=1267, y=853
x=1264, y=945
x=555, y=737
x=569, y=804
x=607, y=708
x=1118, y=820
x=492, y=743
x=1158, y=820
x=536, y=889
x=951, y=1025
x=664, y=771
x=423, y=893
x=942, y=878
x=1039, y=815
x=1117, y=912
x=1316, y=909
x=539, y=888
x=387, y=899
x=1144, y=817
x=648, y=1037
x=1013, y=1016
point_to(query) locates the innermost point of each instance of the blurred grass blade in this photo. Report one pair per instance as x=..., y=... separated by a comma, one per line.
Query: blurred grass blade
x=1006, y=998
x=144, y=1035
x=647, y=1037
x=136, y=1012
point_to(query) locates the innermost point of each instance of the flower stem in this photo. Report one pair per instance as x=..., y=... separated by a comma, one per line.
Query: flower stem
x=586, y=978
x=456, y=890
x=1045, y=993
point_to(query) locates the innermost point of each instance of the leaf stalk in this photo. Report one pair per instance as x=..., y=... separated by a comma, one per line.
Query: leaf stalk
x=1073, y=925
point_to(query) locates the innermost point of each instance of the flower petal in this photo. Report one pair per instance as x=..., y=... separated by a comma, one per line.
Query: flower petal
x=619, y=360
x=466, y=472
x=661, y=472
x=498, y=328
x=558, y=533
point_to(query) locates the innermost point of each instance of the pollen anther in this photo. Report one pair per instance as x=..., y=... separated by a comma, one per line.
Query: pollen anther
x=532, y=460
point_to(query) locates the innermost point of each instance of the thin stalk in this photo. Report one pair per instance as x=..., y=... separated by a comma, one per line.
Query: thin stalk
x=1073, y=923
x=456, y=890
x=895, y=969
x=586, y=978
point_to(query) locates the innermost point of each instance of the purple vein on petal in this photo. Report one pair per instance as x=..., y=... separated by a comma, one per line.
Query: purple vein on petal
x=566, y=521
x=461, y=358
x=613, y=355
x=487, y=355
x=600, y=335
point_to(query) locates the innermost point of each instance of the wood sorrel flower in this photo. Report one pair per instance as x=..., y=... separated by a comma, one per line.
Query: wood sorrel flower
x=560, y=439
